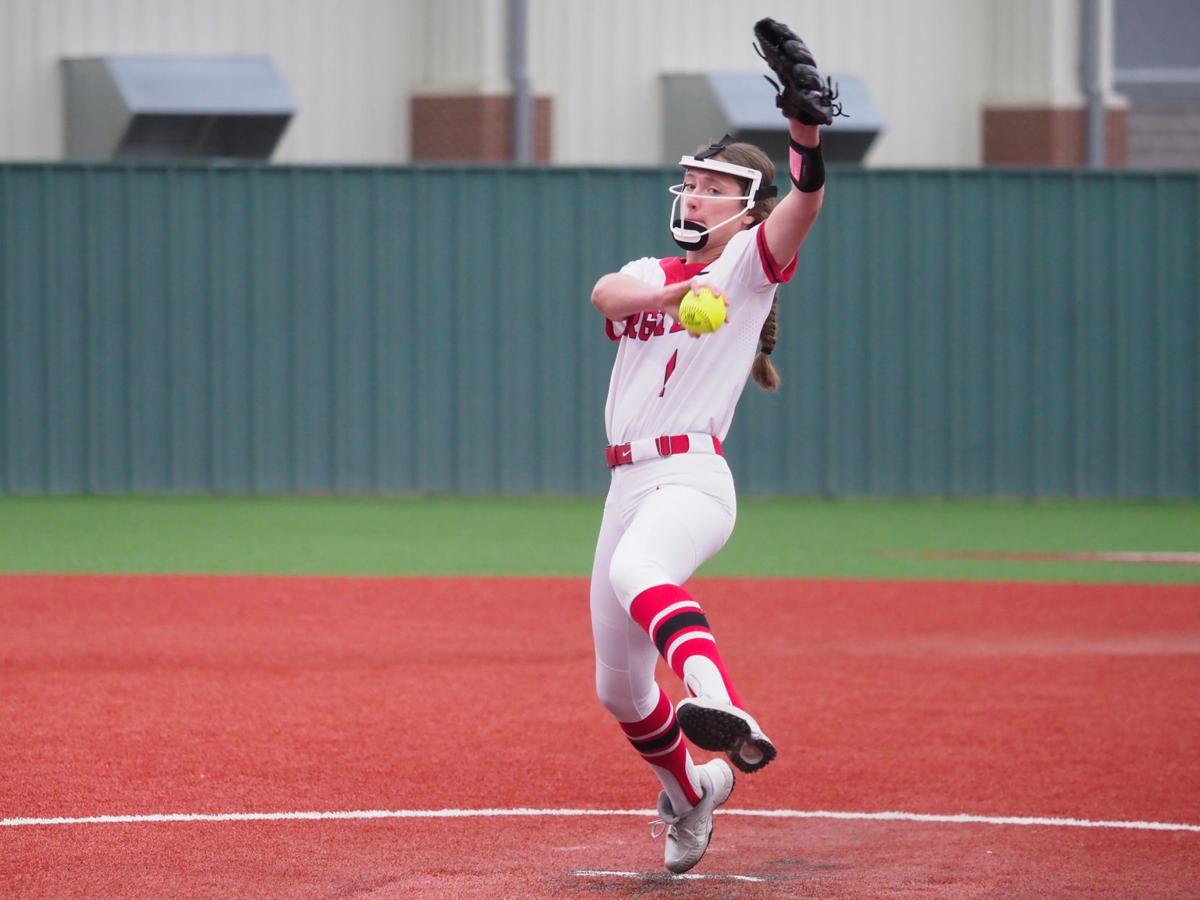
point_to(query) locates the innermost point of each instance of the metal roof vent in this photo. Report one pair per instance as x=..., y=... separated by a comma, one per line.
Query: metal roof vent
x=156, y=107
x=702, y=107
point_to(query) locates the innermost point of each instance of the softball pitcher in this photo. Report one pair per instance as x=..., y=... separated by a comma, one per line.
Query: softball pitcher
x=671, y=398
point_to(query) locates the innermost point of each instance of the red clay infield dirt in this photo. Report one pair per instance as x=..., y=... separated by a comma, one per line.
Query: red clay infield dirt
x=221, y=695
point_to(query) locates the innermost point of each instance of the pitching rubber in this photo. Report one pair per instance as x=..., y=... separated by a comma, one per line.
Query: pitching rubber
x=723, y=728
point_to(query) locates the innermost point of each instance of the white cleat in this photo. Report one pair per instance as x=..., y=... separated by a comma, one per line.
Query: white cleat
x=688, y=834
x=723, y=727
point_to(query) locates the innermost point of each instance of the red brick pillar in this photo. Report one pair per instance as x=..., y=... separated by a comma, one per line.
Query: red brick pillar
x=1050, y=136
x=473, y=128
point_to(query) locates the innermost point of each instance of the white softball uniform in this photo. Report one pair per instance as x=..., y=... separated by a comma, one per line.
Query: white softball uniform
x=665, y=382
x=665, y=515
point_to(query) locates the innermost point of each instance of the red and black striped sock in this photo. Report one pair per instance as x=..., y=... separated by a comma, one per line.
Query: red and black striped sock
x=659, y=741
x=678, y=627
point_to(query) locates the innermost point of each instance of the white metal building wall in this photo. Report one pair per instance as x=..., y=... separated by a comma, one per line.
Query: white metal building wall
x=353, y=65
x=349, y=64
x=927, y=63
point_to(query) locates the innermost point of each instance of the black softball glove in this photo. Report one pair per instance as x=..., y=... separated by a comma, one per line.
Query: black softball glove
x=801, y=92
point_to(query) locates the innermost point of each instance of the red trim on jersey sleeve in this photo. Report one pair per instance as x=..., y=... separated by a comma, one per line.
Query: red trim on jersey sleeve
x=677, y=270
x=774, y=273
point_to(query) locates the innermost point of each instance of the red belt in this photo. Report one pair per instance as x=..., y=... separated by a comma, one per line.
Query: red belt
x=654, y=448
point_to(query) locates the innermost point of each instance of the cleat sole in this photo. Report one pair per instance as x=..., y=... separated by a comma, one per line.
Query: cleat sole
x=721, y=731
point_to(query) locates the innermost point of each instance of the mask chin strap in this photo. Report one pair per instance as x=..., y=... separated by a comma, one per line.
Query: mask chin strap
x=688, y=234
x=693, y=235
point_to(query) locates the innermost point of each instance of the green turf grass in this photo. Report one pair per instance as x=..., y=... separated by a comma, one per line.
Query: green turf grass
x=452, y=536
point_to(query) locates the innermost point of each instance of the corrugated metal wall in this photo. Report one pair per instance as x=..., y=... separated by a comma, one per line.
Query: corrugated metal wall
x=357, y=330
x=350, y=64
x=603, y=63
x=1019, y=334
x=354, y=64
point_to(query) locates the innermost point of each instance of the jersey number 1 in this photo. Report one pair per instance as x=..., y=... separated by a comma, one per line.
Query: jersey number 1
x=670, y=371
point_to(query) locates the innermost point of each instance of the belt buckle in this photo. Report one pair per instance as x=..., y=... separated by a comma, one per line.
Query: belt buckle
x=663, y=445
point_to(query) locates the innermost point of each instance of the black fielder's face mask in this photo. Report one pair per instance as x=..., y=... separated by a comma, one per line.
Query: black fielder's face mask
x=693, y=235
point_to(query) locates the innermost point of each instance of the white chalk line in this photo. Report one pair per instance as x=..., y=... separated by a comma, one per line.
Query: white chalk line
x=955, y=819
x=600, y=873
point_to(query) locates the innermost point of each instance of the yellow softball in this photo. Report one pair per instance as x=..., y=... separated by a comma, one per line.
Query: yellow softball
x=702, y=311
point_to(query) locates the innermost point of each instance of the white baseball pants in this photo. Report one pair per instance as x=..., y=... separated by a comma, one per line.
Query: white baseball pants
x=663, y=518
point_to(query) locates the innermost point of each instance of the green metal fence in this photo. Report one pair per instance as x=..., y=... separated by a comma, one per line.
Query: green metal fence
x=276, y=329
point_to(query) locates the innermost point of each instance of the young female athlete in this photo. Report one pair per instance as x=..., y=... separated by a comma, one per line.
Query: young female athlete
x=671, y=504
